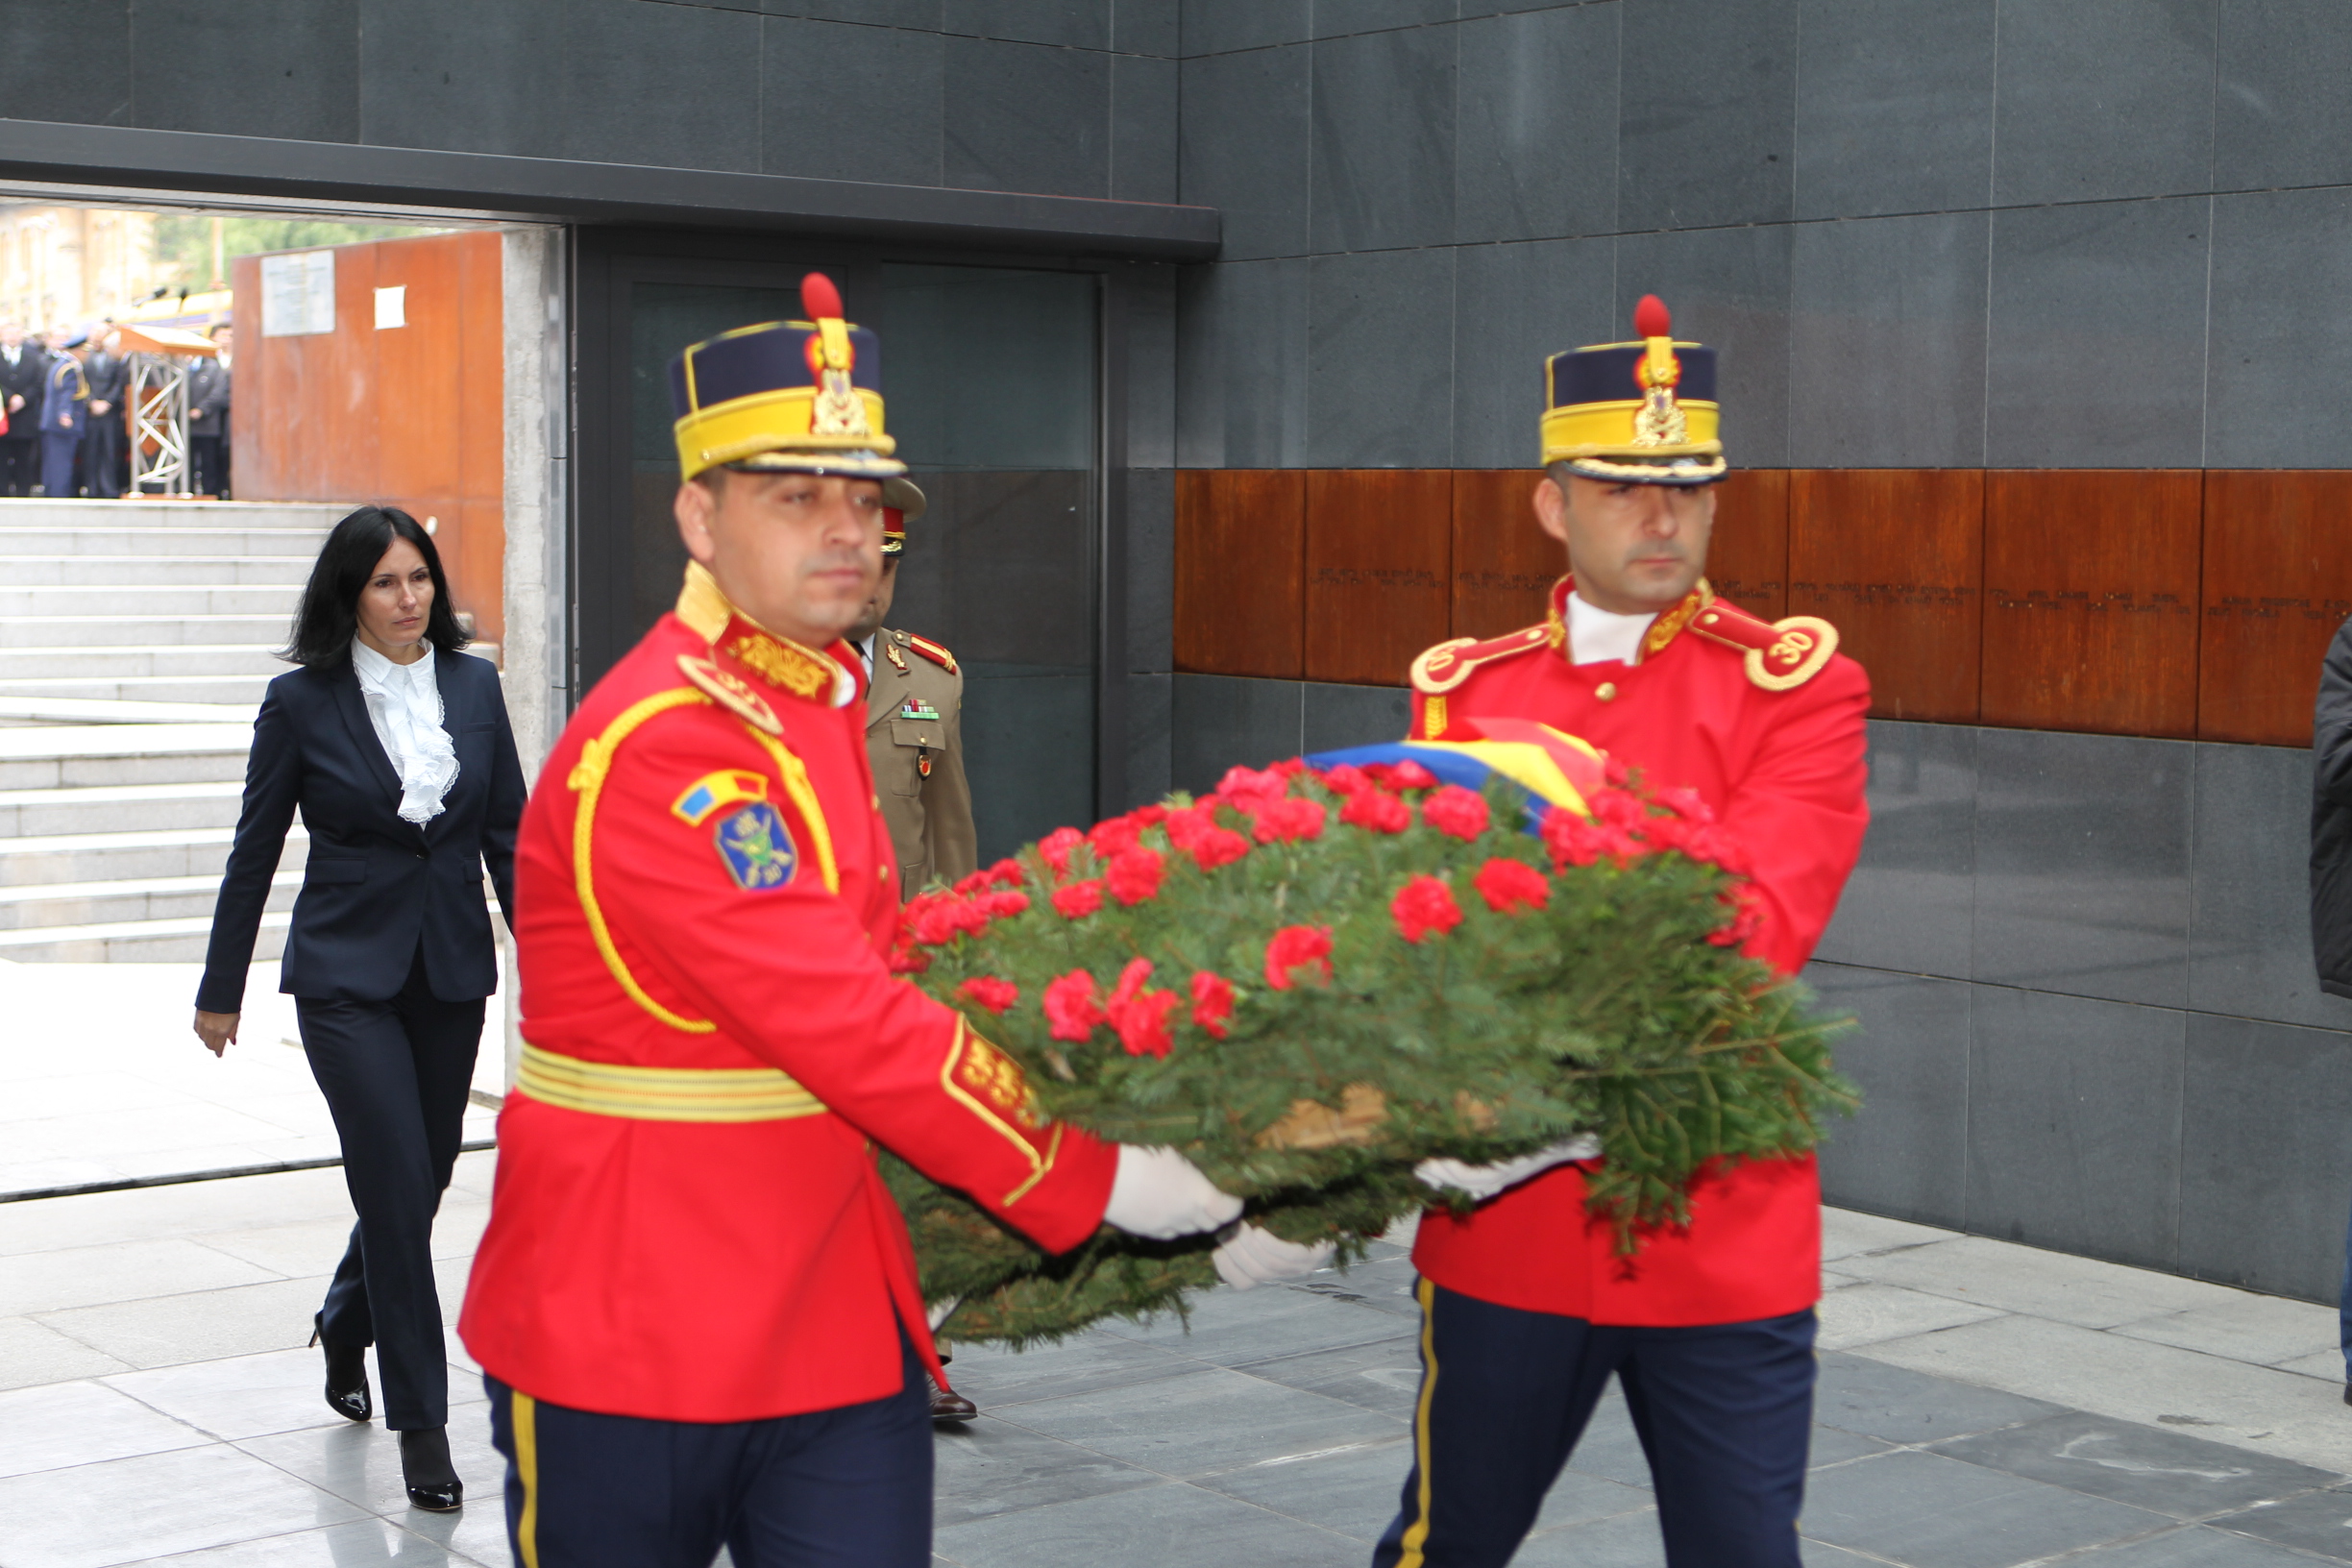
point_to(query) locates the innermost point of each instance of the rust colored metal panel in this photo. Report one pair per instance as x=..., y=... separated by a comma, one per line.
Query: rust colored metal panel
x=1894, y=559
x=2089, y=601
x=1748, y=561
x=1504, y=563
x=416, y=389
x=2277, y=583
x=481, y=390
x=1378, y=548
x=1241, y=555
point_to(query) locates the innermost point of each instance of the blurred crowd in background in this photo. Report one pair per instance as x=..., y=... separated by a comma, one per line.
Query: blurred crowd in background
x=68, y=431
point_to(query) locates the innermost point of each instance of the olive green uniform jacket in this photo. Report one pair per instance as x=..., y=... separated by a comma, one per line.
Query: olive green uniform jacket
x=915, y=739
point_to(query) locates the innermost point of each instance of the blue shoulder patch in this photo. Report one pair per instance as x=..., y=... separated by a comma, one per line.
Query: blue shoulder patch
x=757, y=847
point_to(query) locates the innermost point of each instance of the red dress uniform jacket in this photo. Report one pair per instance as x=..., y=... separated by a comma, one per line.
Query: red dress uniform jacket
x=1766, y=723
x=705, y=884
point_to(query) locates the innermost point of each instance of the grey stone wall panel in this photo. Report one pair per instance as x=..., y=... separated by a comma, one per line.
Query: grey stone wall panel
x=1216, y=27
x=2083, y=864
x=1894, y=107
x=1151, y=570
x=1071, y=24
x=1887, y=342
x=1728, y=287
x=1513, y=305
x=1338, y=18
x=1382, y=143
x=69, y=63
x=1220, y=721
x=2265, y=1168
x=1380, y=359
x=458, y=76
x=1535, y=140
x=1242, y=148
x=286, y=68
x=1023, y=116
x=811, y=67
x=2102, y=99
x=1905, y=1153
x=2281, y=114
x=2074, y=1124
x=2281, y=353
x=1911, y=902
x=924, y=15
x=1147, y=27
x=1143, y=129
x=2096, y=351
x=1342, y=716
x=1706, y=128
x=1242, y=365
x=2249, y=927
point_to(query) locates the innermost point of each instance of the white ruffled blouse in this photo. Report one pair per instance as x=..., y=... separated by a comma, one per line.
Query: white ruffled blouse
x=404, y=702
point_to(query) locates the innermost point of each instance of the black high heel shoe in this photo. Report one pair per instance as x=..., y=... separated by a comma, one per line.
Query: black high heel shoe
x=425, y=1470
x=347, y=1384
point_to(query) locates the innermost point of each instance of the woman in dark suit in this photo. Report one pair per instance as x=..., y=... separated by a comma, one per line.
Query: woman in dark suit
x=398, y=751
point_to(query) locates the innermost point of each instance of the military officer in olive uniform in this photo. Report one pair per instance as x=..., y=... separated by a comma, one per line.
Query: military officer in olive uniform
x=915, y=726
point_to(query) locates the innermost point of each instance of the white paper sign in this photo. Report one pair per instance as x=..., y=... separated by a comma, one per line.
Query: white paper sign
x=392, y=306
x=298, y=294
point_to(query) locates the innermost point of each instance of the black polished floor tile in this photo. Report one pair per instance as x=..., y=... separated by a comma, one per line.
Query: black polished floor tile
x=2145, y=1466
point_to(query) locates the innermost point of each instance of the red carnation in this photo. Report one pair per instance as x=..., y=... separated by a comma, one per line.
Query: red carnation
x=1130, y=982
x=1460, y=812
x=1618, y=809
x=1376, y=811
x=1000, y=905
x=1289, y=767
x=1134, y=875
x=1114, y=836
x=1409, y=774
x=1143, y=1024
x=941, y=919
x=1147, y=816
x=1289, y=819
x=1746, y=919
x=904, y=957
x=1249, y=789
x=1424, y=905
x=990, y=993
x=1076, y=900
x=1574, y=840
x=1005, y=873
x=1218, y=847
x=1071, y=1006
x=1212, y=1003
x=1510, y=885
x=1056, y=847
x=1297, y=948
x=977, y=882
x=1687, y=803
x=1346, y=779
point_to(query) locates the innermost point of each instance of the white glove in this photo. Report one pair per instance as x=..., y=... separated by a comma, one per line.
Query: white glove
x=1484, y=1182
x=1161, y=1194
x=1253, y=1256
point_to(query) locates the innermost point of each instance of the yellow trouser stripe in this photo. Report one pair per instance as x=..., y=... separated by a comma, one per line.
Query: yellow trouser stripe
x=524, y=1413
x=612, y=1088
x=1417, y=1534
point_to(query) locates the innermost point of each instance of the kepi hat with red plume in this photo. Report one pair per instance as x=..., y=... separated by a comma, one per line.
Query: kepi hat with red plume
x=1642, y=413
x=803, y=395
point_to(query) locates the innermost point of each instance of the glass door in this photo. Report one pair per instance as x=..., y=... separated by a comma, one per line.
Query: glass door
x=989, y=377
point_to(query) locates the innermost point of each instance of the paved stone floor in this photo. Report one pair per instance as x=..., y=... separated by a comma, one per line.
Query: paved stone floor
x=1981, y=1404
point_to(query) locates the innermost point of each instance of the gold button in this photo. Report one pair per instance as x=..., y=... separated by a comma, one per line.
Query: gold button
x=1709, y=618
x=1607, y=690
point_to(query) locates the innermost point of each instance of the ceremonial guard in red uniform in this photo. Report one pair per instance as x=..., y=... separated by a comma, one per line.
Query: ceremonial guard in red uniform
x=1527, y=1311
x=696, y=1304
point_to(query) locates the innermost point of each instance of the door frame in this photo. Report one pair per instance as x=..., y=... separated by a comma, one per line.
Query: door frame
x=606, y=262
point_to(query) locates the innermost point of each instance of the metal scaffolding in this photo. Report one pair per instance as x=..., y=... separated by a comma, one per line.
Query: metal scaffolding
x=159, y=426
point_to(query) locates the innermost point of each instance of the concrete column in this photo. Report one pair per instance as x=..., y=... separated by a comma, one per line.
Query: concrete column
x=537, y=651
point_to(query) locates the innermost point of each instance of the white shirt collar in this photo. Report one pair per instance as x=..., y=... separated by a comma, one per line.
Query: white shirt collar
x=866, y=646
x=404, y=707
x=1596, y=635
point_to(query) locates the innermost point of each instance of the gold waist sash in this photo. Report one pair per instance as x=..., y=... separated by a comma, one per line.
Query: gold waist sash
x=611, y=1089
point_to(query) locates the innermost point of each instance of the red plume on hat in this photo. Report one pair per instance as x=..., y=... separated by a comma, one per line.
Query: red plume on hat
x=822, y=300
x=1658, y=368
x=1651, y=318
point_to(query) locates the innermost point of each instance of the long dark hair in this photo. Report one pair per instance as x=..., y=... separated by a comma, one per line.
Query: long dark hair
x=330, y=614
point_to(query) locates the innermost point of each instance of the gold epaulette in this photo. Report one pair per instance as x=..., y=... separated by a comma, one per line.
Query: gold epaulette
x=932, y=650
x=1440, y=669
x=1781, y=656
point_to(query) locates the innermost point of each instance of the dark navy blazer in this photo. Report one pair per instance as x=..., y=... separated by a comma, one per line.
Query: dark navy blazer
x=376, y=885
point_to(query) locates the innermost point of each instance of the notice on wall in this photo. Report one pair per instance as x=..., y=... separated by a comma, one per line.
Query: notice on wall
x=298, y=294
x=392, y=306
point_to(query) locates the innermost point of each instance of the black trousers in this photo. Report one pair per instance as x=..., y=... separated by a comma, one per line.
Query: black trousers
x=1725, y=1413
x=840, y=1488
x=395, y=1074
x=20, y=460
x=102, y=455
x=209, y=455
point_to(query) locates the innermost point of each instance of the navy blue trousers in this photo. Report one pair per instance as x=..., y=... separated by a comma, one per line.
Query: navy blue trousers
x=58, y=449
x=1725, y=1413
x=840, y=1488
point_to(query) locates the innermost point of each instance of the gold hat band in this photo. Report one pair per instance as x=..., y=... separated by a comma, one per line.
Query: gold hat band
x=613, y=1089
x=739, y=428
x=1606, y=429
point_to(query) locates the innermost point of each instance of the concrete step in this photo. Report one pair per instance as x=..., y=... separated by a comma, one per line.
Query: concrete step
x=147, y=601
x=67, y=756
x=84, y=710
x=150, y=513
x=120, y=808
x=134, y=942
x=154, y=571
x=49, y=905
x=242, y=691
x=210, y=544
x=105, y=857
x=56, y=631
x=119, y=660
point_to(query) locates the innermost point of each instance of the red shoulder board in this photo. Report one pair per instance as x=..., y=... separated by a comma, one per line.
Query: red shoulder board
x=1779, y=654
x=1448, y=665
x=932, y=650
